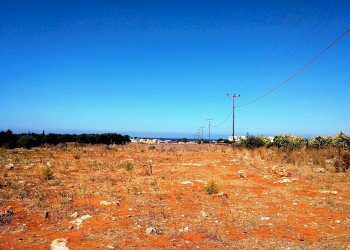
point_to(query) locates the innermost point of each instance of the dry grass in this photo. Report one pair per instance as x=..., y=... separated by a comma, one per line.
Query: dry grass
x=144, y=186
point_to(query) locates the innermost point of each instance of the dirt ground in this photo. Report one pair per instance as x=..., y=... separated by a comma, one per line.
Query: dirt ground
x=259, y=204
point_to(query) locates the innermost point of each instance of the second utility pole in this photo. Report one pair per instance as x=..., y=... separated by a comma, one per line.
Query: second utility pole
x=233, y=116
x=209, y=128
x=202, y=131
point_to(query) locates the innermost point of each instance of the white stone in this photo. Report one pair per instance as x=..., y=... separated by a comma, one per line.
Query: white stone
x=285, y=180
x=201, y=181
x=265, y=218
x=74, y=215
x=184, y=230
x=204, y=214
x=241, y=174
x=320, y=170
x=328, y=192
x=106, y=203
x=151, y=230
x=186, y=182
x=79, y=221
x=9, y=166
x=59, y=244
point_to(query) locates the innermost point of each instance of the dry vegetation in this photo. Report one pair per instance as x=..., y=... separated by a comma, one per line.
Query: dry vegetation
x=174, y=196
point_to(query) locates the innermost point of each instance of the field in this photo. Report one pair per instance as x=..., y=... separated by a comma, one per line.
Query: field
x=173, y=196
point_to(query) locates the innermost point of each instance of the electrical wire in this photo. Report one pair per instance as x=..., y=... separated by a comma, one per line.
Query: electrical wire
x=291, y=53
x=289, y=78
x=273, y=49
x=298, y=71
x=214, y=126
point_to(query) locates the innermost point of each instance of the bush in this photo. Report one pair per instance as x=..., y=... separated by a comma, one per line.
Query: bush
x=28, y=141
x=128, y=166
x=341, y=140
x=289, y=141
x=212, y=187
x=152, y=147
x=343, y=164
x=7, y=139
x=320, y=142
x=183, y=140
x=220, y=140
x=48, y=174
x=253, y=141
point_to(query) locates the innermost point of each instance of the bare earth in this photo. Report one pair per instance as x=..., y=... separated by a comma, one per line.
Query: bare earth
x=171, y=207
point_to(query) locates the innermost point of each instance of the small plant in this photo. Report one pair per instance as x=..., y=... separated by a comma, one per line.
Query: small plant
x=212, y=187
x=66, y=197
x=343, y=164
x=63, y=148
x=22, y=193
x=6, y=218
x=148, y=168
x=128, y=166
x=48, y=174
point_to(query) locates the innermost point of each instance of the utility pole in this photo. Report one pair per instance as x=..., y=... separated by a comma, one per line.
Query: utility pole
x=233, y=116
x=209, y=119
x=202, y=131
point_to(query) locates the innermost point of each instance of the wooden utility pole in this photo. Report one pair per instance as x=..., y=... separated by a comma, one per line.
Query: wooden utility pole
x=233, y=116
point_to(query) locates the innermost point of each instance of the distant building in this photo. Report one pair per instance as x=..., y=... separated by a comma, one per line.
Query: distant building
x=237, y=137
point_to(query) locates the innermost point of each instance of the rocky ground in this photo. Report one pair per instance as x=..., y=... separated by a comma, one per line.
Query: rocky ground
x=141, y=196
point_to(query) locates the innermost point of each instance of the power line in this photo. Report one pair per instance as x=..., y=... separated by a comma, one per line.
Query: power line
x=291, y=77
x=290, y=53
x=274, y=48
x=298, y=71
x=218, y=125
x=244, y=81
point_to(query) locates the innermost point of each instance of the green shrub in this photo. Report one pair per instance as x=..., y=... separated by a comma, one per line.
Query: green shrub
x=48, y=173
x=320, y=142
x=341, y=140
x=28, y=141
x=128, y=166
x=212, y=187
x=289, y=141
x=253, y=141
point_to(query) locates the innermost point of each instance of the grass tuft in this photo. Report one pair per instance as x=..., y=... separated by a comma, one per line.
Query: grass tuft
x=48, y=174
x=128, y=166
x=212, y=187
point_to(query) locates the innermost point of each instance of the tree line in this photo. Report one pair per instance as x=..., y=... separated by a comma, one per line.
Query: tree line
x=341, y=140
x=28, y=140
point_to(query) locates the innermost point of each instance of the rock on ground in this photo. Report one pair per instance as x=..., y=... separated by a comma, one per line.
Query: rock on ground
x=241, y=174
x=9, y=166
x=59, y=244
x=106, y=203
x=78, y=222
x=151, y=230
x=74, y=215
x=186, y=182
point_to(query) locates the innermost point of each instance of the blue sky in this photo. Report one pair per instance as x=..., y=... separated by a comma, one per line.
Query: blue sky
x=160, y=68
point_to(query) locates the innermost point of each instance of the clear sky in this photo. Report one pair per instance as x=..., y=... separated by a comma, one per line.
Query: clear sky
x=160, y=68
